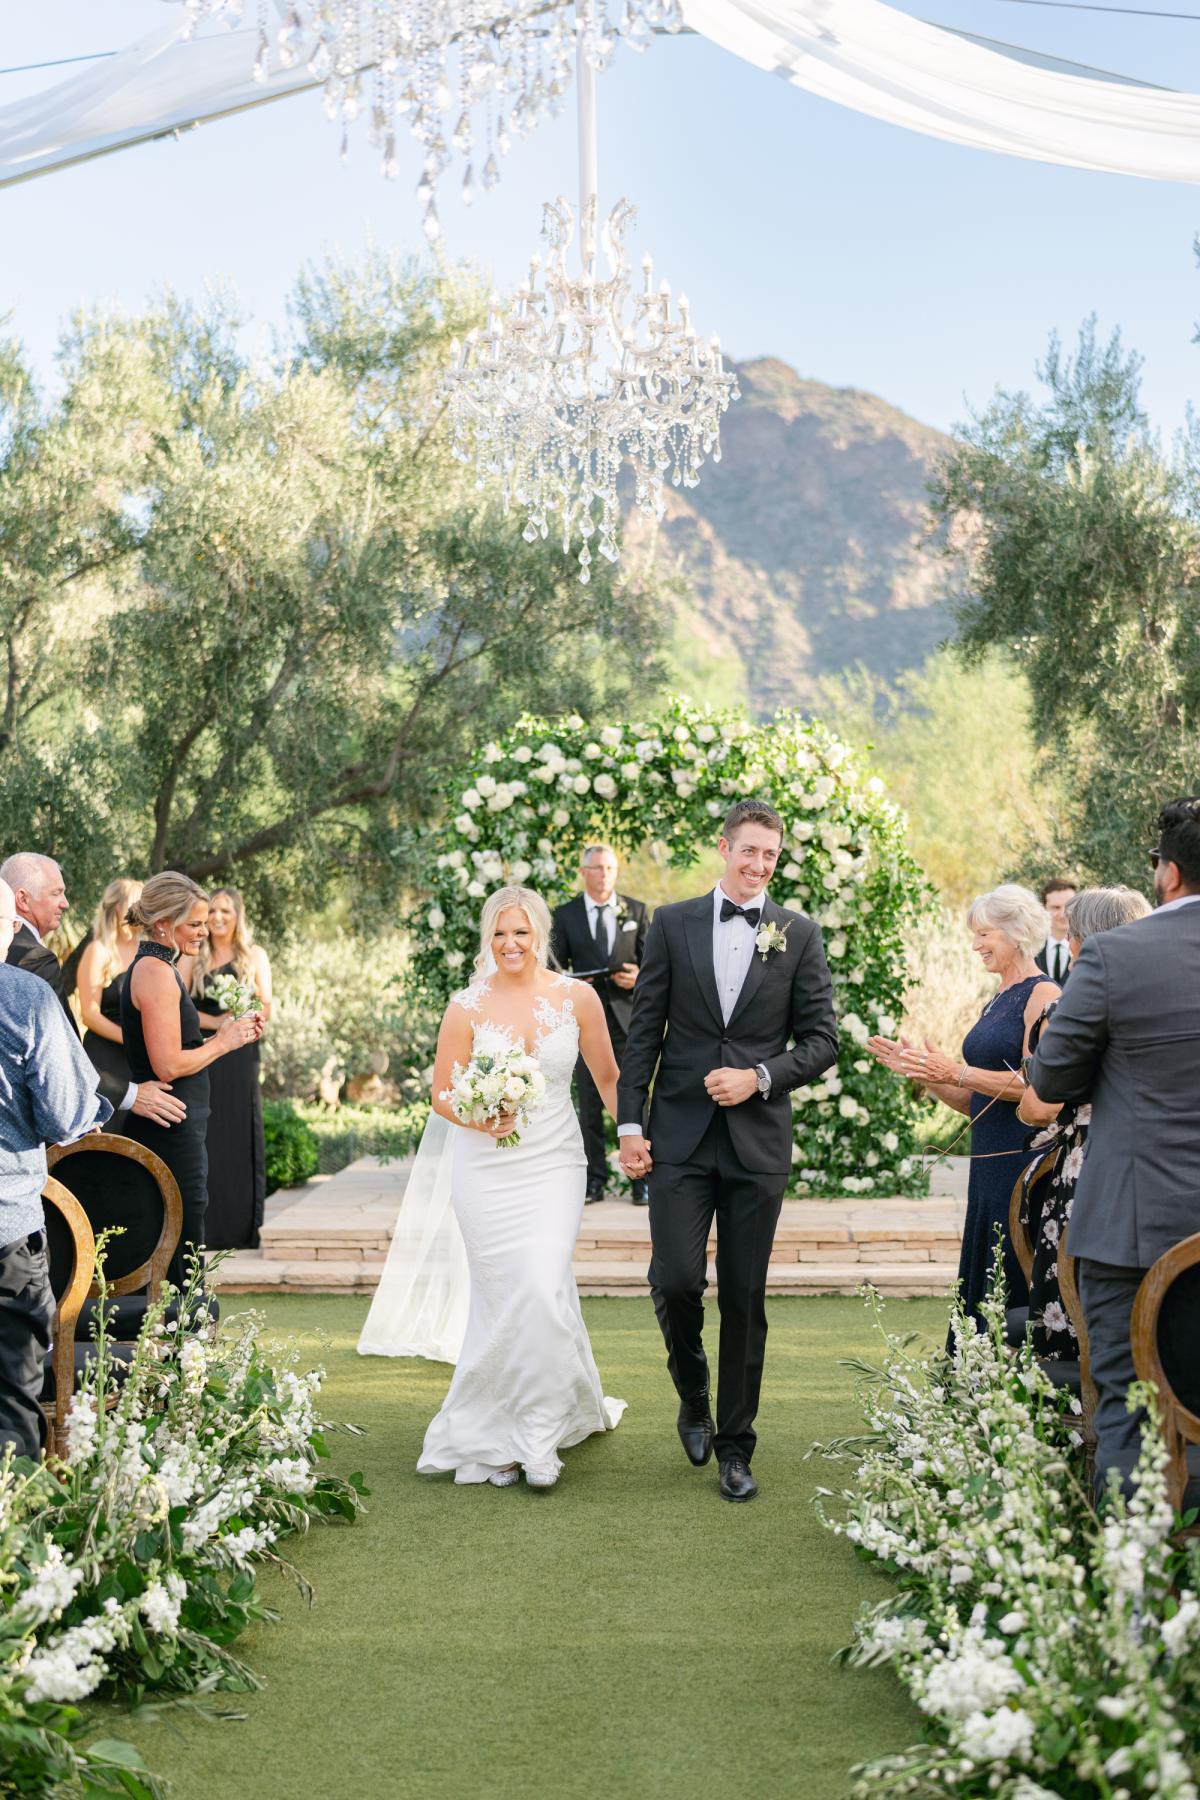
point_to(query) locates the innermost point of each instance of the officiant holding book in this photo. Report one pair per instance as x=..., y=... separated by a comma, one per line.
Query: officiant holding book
x=600, y=936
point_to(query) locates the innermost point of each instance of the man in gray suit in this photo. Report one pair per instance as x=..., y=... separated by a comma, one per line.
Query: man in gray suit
x=1126, y=1035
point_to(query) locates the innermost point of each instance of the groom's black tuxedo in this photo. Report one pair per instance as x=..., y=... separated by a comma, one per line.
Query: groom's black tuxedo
x=729, y=1162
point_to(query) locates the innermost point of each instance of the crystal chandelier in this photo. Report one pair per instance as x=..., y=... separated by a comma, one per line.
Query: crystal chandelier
x=580, y=373
x=465, y=76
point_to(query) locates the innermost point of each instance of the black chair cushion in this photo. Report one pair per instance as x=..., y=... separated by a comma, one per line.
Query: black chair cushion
x=1062, y=1373
x=127, y=1311
x=116, y=1193
x=1179, y=1338
x=60, y=1249
x=85, y=1354
x=1016, y=1323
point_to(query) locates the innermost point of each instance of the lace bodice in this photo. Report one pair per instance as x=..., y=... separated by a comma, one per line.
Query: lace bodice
x=555, y=1039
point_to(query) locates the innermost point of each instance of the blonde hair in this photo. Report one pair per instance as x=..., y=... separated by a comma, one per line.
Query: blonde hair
x=242, y=943
x=110, y=915
x=168, y=896
x=535, y=910
x=1016, y=912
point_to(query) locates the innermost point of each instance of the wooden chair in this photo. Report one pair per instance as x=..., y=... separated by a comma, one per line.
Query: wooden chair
x=122, y=1184
x=71, y=1254
x=1166, y=1350
x=1020, y=1214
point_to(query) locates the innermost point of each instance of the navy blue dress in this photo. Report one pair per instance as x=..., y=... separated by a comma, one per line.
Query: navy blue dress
x=998, y=1147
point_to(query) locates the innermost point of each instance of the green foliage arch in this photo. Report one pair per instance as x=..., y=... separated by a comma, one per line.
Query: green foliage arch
x=525, y=805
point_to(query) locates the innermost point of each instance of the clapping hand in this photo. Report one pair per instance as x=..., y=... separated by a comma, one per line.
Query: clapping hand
x=889, y=1051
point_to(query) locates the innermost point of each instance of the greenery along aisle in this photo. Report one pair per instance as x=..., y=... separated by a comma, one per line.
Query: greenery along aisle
x=526, y=806
x=129, y=1568
x=1055, y=1655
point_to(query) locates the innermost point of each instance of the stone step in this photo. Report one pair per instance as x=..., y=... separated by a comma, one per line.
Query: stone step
x=249, y=1271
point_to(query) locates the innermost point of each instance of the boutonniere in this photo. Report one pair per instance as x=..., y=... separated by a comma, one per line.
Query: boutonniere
x=624, y=920
x=770, y=937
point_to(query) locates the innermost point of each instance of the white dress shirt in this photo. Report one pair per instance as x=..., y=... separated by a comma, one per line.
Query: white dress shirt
x=733, y=952
x=1183, y=900
x=610, y=910
x=1056, y=947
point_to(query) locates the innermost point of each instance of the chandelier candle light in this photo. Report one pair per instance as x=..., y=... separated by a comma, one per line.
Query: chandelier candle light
x=464, y=75
x=581, y=372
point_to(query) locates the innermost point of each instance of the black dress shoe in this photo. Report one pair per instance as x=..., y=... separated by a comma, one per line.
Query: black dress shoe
x=594, y=1191
x=640, y=1193
x=737, y=1483
x=696, y=1428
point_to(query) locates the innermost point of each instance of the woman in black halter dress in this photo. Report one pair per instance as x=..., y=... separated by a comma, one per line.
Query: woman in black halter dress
x=163, y=1042
x=103, y=965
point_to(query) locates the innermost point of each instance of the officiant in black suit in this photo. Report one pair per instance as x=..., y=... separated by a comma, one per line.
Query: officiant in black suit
x=734, y=1007
x=602, y=929
x=1054, y=957
x=41, y=900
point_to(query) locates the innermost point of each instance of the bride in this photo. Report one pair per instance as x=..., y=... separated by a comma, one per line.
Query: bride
x=526, y=1383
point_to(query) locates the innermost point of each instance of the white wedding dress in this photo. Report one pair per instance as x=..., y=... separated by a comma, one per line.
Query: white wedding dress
x=526, y=1383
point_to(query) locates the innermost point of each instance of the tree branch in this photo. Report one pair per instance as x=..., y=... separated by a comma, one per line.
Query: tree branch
x=165, y=797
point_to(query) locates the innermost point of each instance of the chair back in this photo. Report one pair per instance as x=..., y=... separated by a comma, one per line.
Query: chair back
x=71, y=1254
x=123, y=1186
x=1166, y=1350
x=1068, y=1287
x=1020, y=1209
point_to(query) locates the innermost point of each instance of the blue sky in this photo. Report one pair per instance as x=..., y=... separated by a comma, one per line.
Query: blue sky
x=863, y=255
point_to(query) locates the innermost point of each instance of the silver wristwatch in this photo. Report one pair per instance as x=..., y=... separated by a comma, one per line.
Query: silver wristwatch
x=764, y=1080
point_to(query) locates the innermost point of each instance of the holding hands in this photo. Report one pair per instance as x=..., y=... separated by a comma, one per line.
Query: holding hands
x=635, y=1157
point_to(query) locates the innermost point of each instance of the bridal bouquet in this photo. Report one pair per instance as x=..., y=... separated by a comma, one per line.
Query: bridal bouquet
x=494, y=1083
x=231, y=995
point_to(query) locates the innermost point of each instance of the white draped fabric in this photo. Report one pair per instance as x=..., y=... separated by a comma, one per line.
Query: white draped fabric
x=860, y=53
x=863, y=54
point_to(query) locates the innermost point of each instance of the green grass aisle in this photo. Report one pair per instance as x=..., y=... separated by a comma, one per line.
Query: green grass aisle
x=625, y=1634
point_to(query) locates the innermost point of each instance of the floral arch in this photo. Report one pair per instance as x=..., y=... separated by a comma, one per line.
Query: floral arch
x=524, y=806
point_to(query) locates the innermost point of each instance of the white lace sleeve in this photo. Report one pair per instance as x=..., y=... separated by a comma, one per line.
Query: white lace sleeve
x=471, y=998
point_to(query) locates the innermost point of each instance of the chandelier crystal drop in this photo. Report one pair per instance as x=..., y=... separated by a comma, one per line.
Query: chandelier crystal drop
x=579, y=373
x=462, y=75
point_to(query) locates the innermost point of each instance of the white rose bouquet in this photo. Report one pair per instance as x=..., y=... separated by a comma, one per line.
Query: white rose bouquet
x=231, y=995
x=495, y=1083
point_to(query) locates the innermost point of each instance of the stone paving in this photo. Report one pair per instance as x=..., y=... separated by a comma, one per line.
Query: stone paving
x=332, y=1236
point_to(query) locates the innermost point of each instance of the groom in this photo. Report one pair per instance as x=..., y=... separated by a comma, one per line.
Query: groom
x=728, y=982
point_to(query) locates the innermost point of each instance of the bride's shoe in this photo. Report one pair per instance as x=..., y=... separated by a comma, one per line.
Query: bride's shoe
x=505, y=1477
x=542, y=1475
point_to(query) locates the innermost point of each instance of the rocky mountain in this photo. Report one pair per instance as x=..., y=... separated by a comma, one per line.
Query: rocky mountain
x=802, y=547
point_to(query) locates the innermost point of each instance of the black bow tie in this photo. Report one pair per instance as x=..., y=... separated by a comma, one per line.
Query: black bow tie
x=751, y=914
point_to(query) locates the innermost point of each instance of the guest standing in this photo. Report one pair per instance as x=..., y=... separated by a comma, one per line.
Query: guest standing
x=1126, y=1035
x=1055, y=956
x=237, y=1153
x=101, y=973
x=41, y=900
x=47, y=1095
x=1065, y=1134
x=161, y=1028
x=987, y=1083
x=601, y=929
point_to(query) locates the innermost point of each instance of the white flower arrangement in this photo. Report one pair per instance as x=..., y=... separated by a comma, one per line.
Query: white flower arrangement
x=493, y=1084
x=232, y=995
x=770, y=937
x=665, y=781
x=1053, y=1653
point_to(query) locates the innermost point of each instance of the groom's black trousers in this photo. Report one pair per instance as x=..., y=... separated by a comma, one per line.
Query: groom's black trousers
x=684, y=1200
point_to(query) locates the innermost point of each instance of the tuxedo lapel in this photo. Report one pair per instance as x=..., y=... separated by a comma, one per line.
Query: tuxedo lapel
x=759, y=965
x=698, y=930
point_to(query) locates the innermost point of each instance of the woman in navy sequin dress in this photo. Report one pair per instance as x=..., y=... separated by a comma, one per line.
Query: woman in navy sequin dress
x=1009, y=925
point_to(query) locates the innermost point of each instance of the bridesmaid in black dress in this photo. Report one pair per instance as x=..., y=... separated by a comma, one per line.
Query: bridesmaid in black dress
x=163, y=1041
x=237, y=1152
x=986, y=1083
x=103, y=965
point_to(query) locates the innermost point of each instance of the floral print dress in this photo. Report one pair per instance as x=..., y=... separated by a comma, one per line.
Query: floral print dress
x=1046, y=1210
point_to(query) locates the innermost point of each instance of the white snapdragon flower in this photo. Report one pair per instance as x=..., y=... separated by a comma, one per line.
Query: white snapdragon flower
x=81, y=1428
x=1179, y=1632
x=51, y=1590
x=161, y=1603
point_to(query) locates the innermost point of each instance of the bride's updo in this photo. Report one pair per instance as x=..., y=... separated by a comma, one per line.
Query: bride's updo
x=535, y=910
